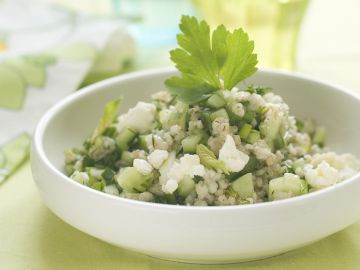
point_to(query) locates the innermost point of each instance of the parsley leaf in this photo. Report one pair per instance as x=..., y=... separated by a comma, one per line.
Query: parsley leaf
x=204, y=60
x=189, y=88
x=219, y=46
x=240, y=62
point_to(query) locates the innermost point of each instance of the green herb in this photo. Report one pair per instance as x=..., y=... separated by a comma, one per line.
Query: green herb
x=107, y=118
x=208, y=159
x=204, y=61
x=300, y=125
x=320, y=136
x=108, y=176
x=260, y=90
x=245, y=131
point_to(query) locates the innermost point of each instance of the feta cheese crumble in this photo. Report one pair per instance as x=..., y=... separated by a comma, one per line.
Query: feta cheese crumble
x=188, y=165
x=142, y=166
x=139, y=118
x=234, y=159
x=157, y=158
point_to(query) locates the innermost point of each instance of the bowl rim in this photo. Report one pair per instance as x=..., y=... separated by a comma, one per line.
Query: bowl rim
x=37, y=145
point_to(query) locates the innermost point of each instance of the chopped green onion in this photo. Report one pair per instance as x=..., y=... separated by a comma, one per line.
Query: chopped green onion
x=245, y=131
x=253, y=137
x=216, y=101
x=219, y=113
x=124, y=139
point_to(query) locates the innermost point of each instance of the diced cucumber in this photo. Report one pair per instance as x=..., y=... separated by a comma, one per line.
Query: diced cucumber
x=320, y=136
x=98, y=186
x=81, y=177
x=164, y=116
x=278, y=142
x=131, y=180
x=189, y=143
x=245, y=131
x=126, y=158
x=216, y=101
x=231, y=192
x=289, y=185
x=186, y=186
x=270, y=128
x=219, y=113
x=202, y=132
x=253, y=137
x=111, y=189
x=141, y=143
x=169, y=118
x=173, y=119
x=244, y=186
x=125, y=138
x=95, y=173
x=234, y=119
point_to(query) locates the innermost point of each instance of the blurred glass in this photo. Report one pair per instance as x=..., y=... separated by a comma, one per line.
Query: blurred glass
x=273, y=24
x=154, y=23
x=31, y=25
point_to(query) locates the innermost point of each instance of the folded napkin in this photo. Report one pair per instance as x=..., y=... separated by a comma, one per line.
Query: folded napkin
x=44, y=59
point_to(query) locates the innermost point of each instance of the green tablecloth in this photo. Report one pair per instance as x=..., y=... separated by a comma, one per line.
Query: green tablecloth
x=32, y=237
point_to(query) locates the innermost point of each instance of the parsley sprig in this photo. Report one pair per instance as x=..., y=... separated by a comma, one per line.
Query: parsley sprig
x=208, y=63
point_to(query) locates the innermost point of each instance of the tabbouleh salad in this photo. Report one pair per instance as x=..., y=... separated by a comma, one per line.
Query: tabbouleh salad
x=206, y=141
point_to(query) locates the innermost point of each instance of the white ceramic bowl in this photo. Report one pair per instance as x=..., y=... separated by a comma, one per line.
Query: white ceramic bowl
x=219, y=234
